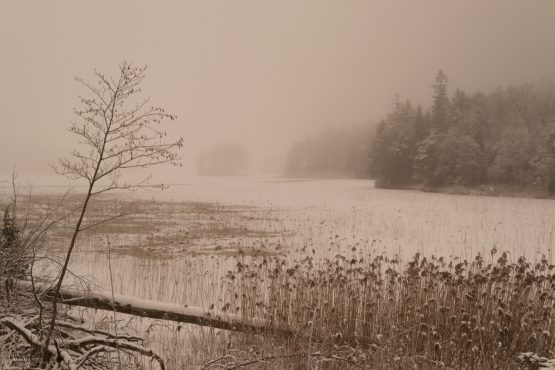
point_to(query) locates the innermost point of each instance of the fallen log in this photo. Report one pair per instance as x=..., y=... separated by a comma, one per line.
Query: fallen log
x=158, y=310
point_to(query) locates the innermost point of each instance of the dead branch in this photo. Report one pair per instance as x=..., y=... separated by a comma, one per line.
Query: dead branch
x=74, y=351
x=32, y=340
x=159, y=310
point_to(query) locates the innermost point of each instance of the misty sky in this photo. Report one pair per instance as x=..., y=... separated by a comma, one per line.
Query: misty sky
x=262, y=73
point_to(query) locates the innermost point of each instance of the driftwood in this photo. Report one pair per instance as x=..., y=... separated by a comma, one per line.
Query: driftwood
x=159, y=310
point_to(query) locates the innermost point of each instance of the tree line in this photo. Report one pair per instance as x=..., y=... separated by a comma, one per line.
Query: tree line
x=504, y=137
x=332, y=152
x=223, y=159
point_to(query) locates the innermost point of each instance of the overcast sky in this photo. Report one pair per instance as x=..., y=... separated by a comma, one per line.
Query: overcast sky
x=259, y=72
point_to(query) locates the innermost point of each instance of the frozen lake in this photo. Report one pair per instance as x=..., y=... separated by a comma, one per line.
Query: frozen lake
x=203, y=227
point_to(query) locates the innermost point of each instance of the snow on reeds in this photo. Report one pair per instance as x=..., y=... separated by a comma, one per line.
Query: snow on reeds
x=481, y=313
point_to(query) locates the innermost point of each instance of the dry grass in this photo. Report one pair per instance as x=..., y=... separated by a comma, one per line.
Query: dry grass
x=429, y=313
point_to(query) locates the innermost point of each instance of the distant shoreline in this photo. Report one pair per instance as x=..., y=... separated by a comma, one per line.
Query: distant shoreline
x=499, y=191
x=491, y=190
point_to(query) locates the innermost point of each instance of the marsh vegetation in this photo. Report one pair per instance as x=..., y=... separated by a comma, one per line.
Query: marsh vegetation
x=361, y=277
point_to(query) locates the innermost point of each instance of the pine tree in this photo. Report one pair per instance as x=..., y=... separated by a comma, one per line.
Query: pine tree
x=393, y=147
x=441, y=105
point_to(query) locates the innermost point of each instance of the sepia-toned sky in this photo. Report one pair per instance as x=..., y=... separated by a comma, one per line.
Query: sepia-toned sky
x=259, y=72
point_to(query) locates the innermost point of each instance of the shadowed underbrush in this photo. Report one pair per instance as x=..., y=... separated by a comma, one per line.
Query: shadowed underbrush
x=426, y=313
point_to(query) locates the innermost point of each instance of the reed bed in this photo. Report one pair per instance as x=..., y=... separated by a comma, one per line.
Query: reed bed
x=427, y=313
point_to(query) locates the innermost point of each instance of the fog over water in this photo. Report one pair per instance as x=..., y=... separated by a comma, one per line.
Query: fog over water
x=355, y=184
x=260, y=73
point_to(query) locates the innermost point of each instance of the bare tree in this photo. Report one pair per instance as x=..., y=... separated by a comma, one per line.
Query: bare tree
x=117, y=130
